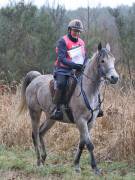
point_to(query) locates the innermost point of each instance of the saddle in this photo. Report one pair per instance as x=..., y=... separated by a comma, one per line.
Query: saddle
x=67, y=96
x=69, y=90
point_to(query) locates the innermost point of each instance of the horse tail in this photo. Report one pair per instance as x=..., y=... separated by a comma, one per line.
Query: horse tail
x=27, y=80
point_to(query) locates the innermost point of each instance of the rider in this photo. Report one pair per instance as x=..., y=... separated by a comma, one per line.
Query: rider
x=71, y=55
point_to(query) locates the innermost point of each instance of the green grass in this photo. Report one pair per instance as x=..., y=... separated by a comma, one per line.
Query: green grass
x=61, y=167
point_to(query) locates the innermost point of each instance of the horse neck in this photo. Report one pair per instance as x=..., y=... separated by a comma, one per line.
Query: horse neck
x=91, y=82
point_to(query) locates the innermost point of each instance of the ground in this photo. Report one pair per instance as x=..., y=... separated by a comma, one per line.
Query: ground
x=18, y=164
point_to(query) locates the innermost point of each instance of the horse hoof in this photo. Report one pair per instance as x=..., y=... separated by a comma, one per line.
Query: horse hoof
x=43, y=159
x=98, y=172
x=77, y=169
x=39, y=163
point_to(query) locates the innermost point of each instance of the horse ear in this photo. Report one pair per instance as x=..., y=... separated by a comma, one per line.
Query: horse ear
x=108, y=47
x=99, y=46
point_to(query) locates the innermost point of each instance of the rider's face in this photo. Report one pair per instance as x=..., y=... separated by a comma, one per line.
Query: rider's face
x=75, y=33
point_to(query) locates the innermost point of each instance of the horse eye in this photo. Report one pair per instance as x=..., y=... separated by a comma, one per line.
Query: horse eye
x=102, y=61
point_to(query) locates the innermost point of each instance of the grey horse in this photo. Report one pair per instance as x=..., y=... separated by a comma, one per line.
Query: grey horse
x=84, y=103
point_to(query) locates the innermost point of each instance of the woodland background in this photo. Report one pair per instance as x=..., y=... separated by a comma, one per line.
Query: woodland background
x=28, y=36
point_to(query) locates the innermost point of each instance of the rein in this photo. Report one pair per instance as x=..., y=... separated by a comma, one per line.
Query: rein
x=80, y=82
x=88, y=104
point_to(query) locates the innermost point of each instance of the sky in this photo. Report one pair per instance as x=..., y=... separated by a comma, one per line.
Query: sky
x=74, y=4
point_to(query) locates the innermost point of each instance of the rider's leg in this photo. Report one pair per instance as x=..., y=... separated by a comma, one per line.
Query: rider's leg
x=69, y=94
x=61, y=82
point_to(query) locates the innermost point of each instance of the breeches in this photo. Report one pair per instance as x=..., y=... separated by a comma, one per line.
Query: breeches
x=61, y=81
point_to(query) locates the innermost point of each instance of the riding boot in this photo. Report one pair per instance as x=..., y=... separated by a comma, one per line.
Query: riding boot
x=101, y=113
x=57, y=113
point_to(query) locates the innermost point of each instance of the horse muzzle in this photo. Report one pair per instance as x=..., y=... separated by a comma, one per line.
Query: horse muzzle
x=113, y=79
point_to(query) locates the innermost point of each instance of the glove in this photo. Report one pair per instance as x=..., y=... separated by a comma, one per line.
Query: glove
x=79, y=67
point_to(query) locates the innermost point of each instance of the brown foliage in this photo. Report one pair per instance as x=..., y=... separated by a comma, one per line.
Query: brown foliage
x=113, y=135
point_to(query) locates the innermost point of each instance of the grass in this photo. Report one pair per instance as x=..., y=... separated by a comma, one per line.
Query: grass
x=60, y=167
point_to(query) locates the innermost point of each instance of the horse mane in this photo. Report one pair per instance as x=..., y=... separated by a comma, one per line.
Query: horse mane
x=91, y=61
x=94, y=56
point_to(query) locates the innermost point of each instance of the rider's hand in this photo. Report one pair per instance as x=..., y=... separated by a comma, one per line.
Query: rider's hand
x=78, y=67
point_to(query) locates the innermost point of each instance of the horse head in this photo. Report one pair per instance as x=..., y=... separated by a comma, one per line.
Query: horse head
x=106, y=64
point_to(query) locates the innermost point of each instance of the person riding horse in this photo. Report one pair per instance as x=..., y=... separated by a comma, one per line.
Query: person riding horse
x=71, y=55
x=36, y=97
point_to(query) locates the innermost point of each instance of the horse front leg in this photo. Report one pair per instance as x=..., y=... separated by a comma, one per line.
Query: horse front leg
x=90, y=148
x=85, y=140
x=83, y=129
x=78, y=155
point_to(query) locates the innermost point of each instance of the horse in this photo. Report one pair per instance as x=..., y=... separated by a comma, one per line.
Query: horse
x=84, y=103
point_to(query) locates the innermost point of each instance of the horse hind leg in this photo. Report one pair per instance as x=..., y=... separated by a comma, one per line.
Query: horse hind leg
x=42, y=130
x=78, y=156
x=35, y=119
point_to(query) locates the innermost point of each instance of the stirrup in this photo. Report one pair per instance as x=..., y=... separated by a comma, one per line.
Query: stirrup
x=57, y=115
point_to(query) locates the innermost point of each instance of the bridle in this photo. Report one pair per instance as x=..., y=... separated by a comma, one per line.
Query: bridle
x=103, y=52
x=83, y=92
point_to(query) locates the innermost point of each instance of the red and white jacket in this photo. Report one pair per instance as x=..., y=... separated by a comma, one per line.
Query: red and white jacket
x=70, y=45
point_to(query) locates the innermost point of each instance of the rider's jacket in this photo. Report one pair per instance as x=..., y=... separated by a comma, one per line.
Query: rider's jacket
x=65, y=44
